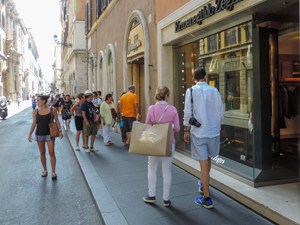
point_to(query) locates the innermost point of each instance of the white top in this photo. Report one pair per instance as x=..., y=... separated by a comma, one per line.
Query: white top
x=97, y=102
x=208, y=110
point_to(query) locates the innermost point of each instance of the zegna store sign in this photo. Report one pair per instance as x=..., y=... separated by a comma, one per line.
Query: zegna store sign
x=206, y=12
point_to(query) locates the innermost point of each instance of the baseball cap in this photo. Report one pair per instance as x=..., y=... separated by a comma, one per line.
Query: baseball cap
x=131, y=87
x=88, y=93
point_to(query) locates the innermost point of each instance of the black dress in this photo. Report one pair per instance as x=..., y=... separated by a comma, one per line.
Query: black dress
x=66, y=110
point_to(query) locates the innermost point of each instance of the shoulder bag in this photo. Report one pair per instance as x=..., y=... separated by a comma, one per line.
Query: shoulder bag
x=151, y=139
x=54, y=131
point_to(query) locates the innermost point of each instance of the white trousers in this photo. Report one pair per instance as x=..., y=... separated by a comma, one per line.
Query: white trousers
x=106, y=132
x=166, y=172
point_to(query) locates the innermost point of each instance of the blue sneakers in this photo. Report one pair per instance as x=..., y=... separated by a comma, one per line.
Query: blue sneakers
x=200, y=189
x=206, y=202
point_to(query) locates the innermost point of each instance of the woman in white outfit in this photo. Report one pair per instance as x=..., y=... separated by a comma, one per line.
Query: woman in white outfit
x=107, y=118
x=164, y=113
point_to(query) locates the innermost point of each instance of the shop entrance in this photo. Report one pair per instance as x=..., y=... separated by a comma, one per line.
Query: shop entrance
x=137, y=78
x=284, y=83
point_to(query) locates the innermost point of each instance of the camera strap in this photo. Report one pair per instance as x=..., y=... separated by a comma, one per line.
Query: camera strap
x=192, y=102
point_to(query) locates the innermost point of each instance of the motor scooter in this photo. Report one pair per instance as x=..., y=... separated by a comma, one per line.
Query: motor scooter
x=3, y=107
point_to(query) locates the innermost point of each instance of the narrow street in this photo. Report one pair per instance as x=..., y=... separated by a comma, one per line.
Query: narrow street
x=26, y=197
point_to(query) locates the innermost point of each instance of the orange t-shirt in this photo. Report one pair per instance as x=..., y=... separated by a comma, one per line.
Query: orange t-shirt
x=128, y=102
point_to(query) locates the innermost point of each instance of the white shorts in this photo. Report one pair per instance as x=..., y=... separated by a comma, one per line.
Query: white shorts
x=202, y=148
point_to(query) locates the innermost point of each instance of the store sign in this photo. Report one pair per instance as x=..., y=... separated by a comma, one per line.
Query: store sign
x=206, y=12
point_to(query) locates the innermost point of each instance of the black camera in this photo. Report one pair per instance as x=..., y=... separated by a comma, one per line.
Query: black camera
x=193, y=121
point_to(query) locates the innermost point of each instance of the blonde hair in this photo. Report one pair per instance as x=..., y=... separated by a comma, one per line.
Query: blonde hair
x=161, y=93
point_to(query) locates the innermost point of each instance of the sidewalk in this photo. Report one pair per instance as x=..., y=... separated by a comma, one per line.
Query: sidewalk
x=14, y=109
x=118, y=181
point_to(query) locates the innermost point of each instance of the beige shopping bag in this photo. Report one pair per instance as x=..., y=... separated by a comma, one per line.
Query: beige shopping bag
x=154, y=140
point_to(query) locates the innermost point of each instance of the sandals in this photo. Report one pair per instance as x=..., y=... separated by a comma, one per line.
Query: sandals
x=44, y=173
x=54, y=176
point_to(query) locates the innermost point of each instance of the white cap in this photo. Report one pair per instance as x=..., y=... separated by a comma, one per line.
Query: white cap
x=88, y=93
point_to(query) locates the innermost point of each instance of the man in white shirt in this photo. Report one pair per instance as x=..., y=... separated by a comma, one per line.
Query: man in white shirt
x=203, y=115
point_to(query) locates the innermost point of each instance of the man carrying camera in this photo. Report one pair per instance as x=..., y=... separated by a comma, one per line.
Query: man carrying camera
x=203, y=115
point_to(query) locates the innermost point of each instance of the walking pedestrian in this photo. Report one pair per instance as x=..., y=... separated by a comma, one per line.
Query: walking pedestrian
x=76, y=111
x=203, y=115
x=19, y=101
x=89, y=123
x=66, y=111
x=165, y=113
x=97, y=100
x=121, y=123
x=33, y=102
x=41, y=120
x=129, y=105
x=107, y=118
x=57, y=102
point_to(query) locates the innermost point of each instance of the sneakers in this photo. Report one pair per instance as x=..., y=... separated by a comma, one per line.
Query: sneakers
x=200, y=189
x=93, y=149
x=87, y=150
x=77, y=148
x=206, y=202
x=149, y=199
x=167, y=203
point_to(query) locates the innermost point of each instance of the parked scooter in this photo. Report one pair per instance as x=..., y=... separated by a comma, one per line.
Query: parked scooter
x=3, y=107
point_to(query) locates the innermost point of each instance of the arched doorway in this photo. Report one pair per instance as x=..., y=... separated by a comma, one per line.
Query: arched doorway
x=136, y=58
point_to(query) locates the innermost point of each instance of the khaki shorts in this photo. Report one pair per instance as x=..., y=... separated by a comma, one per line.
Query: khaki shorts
x=92, y=130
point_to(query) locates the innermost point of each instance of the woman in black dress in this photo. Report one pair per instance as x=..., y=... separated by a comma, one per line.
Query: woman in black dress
x=66, y=111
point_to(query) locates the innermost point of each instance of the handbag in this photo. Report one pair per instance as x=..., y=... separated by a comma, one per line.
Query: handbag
x=151, y=139
x=54, y=131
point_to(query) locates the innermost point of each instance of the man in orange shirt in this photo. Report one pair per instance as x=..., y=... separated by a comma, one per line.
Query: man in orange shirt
x=130, y=110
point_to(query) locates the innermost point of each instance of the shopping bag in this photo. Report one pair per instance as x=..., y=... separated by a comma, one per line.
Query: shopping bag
x=153, y=140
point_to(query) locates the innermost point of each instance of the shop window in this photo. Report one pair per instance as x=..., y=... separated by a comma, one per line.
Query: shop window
x=213, y=80
x=212, y=42
x=232, y=93
x=231, y=37
x=230, y=71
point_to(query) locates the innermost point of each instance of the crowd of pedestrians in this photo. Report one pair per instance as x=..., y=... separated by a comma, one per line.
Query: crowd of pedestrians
x=203, y=115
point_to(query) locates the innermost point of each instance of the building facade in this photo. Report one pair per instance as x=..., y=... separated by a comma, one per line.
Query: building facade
x=73, y=43
x=250, y=50
x=21, y=75
x=3, y=58
x=121, y=41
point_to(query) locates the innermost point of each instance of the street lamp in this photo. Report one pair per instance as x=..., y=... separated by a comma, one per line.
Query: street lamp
x=65, y=44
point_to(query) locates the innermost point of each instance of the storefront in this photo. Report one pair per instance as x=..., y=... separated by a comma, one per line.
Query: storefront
x=136, y=58
x=250, y=52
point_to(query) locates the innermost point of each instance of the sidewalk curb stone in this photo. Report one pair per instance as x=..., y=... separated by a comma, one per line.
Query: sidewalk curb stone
x=105, y=204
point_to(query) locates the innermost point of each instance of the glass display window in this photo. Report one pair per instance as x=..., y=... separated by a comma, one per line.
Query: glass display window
x=227, y=58
x=233, y=94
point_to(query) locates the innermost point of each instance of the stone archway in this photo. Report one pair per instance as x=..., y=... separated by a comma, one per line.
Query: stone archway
x=138, y=15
